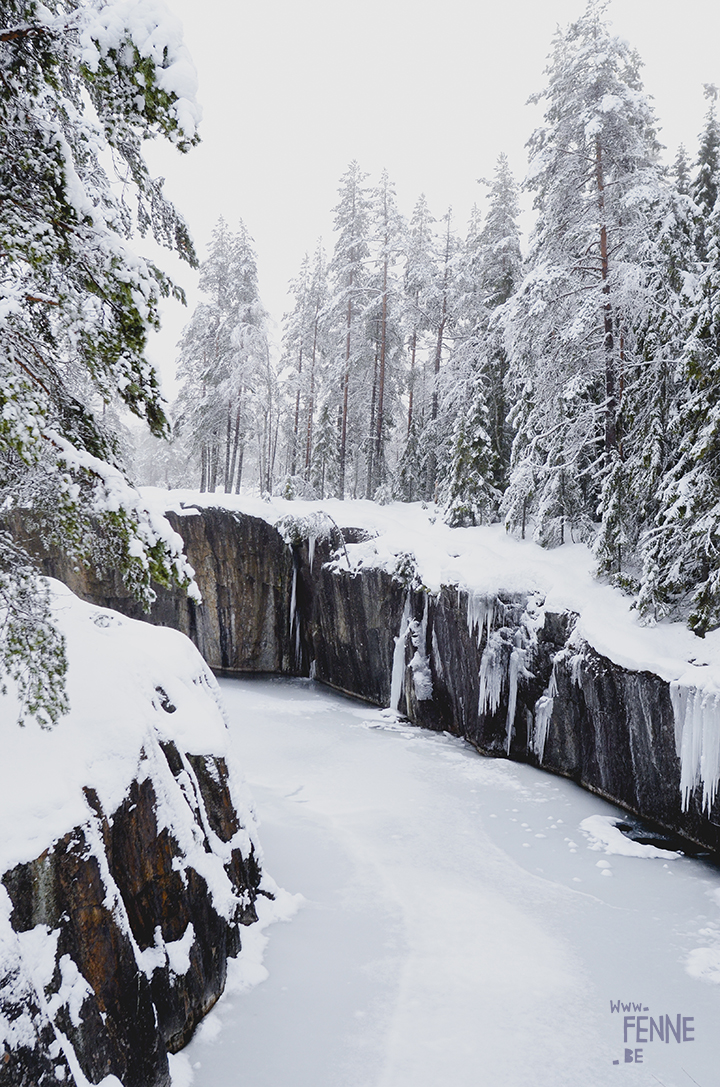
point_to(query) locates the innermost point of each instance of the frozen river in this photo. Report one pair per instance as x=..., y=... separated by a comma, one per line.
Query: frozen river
x=457, y=926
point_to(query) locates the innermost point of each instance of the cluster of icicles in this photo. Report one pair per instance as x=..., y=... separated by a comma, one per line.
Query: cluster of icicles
x=507, y=655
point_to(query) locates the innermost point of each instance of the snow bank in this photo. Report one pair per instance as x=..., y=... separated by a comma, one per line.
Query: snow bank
x=484, y=561
x=138, y=693
x=124, y=676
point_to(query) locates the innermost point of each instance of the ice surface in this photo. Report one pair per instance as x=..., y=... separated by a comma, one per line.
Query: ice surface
x=456, y=928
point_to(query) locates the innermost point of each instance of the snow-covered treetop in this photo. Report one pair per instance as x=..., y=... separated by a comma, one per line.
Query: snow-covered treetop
x=82, y=84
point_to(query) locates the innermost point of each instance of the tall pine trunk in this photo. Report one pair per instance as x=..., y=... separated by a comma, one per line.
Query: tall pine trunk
x=411, y=382
x=228, y=450
x=296, y=421
x=346, y=386
x=611, y=404
x=378, y=444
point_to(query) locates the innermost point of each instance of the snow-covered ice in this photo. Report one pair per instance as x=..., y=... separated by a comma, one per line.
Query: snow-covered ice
x=458, y=924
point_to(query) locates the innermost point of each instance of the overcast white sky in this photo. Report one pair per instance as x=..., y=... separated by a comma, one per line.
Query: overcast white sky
x=432, y=90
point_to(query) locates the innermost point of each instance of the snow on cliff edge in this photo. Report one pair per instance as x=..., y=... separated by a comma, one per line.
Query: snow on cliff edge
x=121, y=671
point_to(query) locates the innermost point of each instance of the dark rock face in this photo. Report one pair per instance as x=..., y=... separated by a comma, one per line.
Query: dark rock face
x=244, y=570
x=346, y=623
x=136, y=926
x=498, y=671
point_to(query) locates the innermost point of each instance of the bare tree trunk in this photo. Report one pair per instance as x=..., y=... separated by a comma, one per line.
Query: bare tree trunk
x=309, y=431
x=214, y=458
x=413, y=349
x=371, y=444
x=271, y=459
x=236, y=439
x=437, y=361
x=238, y=481
x=203, y=468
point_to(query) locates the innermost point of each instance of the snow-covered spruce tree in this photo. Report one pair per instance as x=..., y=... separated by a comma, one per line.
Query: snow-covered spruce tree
x=704, y=189
x=418, y=282
x=351, y=352
x=223, y=360
x=383, y=315
x=681, y=552
x=82, y=83
x=570, y=329
x=324, y=465
x=304, y=356
x=488, y=271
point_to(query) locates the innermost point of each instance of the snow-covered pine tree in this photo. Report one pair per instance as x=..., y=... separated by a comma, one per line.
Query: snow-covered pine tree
x=569, y=329
x=418, y=282
x=305, y=354
x=223, y=360
x=488, y=270
x=82, y=83
x=439, y=304
x=383, y=313
x=681, y=567
x=680, y=172
x=324, y=467
x=704, y=188
x=351, y=351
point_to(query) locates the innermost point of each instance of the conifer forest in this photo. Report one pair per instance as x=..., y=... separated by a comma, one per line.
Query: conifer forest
x=570, y=391
x=563, y=382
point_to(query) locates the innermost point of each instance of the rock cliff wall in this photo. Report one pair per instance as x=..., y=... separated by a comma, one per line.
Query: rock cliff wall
x=118, y=941
x=501, y=670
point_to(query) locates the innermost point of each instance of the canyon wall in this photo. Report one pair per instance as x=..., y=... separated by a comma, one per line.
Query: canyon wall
x=500, y=671
x=128, y=860
x=130, y=934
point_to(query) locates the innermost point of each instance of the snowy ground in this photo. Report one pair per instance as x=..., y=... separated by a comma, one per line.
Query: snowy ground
x=459, y=925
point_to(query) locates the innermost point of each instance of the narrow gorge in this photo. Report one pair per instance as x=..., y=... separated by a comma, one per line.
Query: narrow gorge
x=501, y=670
x=130, y=915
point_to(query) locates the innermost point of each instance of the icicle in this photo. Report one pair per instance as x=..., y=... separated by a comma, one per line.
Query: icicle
x=294, y=622
x=697, y=741
x=293, y=600
x=311, y=550
x=420, y=666
x=543, y=713
x=439, y=671
x=517, y=663
x=479, y=610
x=492, y=675
x=397, y=682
